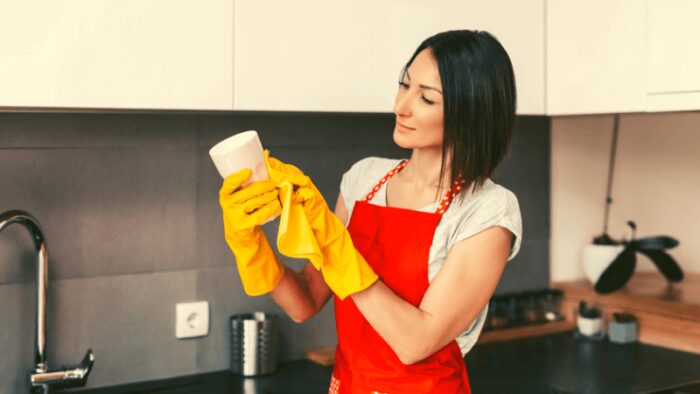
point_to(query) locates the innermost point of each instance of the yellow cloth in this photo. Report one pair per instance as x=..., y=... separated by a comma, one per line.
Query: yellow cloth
x=309, y=229
x=244, y=211
x=295, y=238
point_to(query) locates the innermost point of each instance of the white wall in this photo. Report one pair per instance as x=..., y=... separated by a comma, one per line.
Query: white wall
x=656, y=184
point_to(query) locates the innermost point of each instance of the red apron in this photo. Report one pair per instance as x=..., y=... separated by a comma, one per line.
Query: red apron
x=396, y=243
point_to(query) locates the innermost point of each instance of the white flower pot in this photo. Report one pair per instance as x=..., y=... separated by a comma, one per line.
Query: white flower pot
x=596, y=258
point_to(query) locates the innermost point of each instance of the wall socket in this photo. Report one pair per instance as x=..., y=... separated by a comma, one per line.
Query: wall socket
x=191, y=319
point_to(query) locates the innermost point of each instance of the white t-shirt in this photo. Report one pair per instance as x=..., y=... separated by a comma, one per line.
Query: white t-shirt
x=492, y=205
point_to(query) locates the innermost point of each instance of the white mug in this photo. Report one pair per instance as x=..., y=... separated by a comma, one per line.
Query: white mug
x=240, y=151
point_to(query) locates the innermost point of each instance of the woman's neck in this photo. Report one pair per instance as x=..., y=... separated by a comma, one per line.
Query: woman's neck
x=423, y=170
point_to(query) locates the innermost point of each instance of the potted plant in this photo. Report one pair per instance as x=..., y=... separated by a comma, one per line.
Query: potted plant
x=610, y=263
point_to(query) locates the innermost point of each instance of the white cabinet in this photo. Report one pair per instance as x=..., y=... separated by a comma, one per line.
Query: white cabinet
x=595, y=56
x=517, y=24
x=312, y=55
x=321, y=55
x=569, y=57
x=622, y=56
x=139, y=54
x=673, y=55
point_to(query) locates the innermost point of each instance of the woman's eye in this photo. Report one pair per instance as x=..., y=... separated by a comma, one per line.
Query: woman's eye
x=403, y=85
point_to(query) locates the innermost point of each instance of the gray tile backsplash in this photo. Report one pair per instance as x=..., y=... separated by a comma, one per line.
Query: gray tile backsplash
x=127, y=320
x=17, y=338
x=129, y=207
x=104, y=211
x=64, y=130
x=520, y=274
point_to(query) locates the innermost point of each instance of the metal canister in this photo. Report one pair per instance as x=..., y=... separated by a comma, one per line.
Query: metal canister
x=254, y=343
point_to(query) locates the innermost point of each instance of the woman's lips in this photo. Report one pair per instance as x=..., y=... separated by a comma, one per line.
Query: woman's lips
x=403, y=128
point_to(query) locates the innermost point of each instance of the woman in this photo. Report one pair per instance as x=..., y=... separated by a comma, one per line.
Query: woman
x=427, y=238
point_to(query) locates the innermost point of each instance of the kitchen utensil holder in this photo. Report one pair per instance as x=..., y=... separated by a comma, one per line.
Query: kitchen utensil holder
x=254, y=343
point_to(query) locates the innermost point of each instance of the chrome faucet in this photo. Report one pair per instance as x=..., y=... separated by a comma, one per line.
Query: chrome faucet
x=40, y=379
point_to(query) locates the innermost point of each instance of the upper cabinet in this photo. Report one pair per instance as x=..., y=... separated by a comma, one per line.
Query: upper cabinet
x=673, y=55
x=153, y=54
x=518, y=25
x=320, y=55
x=312, y=55
x=569, y=57
x=595, y=56
x=622, y=56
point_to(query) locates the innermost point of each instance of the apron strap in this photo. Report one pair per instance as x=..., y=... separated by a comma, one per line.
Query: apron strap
x=444, y=203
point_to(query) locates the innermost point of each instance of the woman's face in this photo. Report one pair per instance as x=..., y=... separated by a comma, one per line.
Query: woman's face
x=419, y=105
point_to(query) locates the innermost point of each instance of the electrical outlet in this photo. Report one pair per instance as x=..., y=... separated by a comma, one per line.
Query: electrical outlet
x=191, y=319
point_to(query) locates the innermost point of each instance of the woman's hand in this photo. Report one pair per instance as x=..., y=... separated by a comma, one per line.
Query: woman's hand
x=302, y=295
x=317, y=211
x=343, y=267
x=246, y=208
x=244, y=211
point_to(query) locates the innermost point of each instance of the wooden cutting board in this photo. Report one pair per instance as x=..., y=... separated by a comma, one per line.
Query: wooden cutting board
x=323, y=356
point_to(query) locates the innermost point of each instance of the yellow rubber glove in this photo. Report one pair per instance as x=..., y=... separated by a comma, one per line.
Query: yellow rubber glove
x=342, y=266
x=244, y=210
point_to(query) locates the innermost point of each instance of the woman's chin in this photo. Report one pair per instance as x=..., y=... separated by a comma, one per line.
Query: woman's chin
x=401, y=140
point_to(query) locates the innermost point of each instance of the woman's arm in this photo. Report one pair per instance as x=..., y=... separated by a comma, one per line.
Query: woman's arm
x=302, y=295
x=452, y=302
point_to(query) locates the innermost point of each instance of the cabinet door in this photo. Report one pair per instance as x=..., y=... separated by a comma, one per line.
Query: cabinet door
x=595, y=56
x=157, y=54
x=320, y=55
x=312, y=55
x=673, y=55
x=517, y=24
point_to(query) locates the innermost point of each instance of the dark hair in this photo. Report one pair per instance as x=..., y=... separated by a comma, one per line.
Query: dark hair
x=479, y=97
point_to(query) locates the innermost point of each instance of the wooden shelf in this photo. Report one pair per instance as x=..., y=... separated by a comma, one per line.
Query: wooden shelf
x=668, y=314
x=534, y=330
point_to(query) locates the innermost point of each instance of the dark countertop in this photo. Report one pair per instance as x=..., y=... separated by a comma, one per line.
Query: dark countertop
x=560, y=363
x=556, y=363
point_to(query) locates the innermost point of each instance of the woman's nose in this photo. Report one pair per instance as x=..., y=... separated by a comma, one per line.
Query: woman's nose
x=402, y=105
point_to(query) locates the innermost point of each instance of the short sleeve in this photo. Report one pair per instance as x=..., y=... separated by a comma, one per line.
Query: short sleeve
x=500, y=208
x=346, y=185
x=349, y=184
